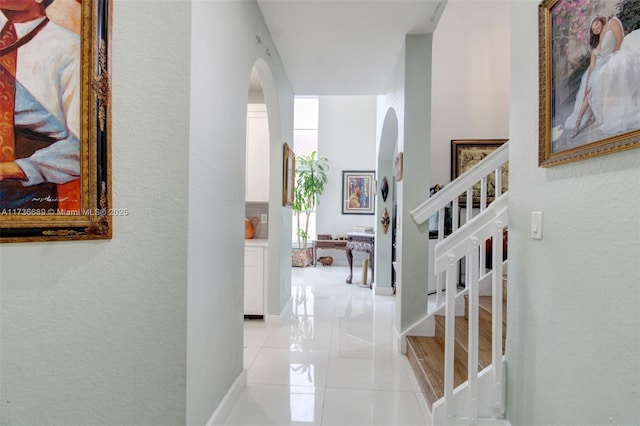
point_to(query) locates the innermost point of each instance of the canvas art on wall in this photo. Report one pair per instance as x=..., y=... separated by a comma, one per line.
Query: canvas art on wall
x=54, y=138
x=288, y=175
x=358, y=192
x=467, y=153
x=589, y=54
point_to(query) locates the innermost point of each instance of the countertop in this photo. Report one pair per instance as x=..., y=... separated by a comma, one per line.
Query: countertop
x=256, y=242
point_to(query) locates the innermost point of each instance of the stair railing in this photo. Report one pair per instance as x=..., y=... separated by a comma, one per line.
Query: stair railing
x=488, y=220
x=467, y=242
x=475, y=179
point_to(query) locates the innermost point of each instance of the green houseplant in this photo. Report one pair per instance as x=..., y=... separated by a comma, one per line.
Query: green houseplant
x=311, y=177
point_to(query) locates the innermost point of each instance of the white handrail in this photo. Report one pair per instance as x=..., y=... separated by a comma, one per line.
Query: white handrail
x=442, y=198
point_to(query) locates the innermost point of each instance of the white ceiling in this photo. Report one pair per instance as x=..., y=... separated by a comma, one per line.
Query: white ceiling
x=345, y=47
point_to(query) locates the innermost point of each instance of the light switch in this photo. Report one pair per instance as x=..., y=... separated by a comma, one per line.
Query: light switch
x=536, y=225
x=263, y=218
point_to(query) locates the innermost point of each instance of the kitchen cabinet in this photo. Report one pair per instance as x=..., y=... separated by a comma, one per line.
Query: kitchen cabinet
x=257, y=157
x=255, y=278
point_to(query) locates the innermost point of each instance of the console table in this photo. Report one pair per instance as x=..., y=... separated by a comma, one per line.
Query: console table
x=359, y=241
x=326, y=244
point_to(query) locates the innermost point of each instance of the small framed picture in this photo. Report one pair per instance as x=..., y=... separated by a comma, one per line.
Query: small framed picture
x=398, y=165
x=358, y=192
x=288, y=175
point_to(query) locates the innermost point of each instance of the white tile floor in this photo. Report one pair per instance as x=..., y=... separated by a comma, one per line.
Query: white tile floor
x=332, y=364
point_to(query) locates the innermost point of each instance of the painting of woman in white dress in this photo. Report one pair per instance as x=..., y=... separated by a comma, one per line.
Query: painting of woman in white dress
x=609, y=94
x=598, y=59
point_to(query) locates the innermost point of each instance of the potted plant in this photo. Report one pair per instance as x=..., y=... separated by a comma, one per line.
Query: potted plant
x=311, y=177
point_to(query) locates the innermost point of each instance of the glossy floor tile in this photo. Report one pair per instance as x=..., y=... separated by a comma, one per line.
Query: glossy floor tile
x=332, y=363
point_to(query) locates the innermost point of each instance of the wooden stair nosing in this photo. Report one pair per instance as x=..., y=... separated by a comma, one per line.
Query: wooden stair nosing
x=420, y=368
x=429, y=352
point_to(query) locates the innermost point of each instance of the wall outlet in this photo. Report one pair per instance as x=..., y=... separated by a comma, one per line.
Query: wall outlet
x=263, y=218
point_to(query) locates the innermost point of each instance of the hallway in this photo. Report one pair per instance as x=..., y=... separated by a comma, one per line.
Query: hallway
x=333, y=364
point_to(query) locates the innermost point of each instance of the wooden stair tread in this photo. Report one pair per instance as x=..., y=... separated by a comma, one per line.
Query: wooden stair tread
x=486, y=303
x=426, y=356
x=462, y=341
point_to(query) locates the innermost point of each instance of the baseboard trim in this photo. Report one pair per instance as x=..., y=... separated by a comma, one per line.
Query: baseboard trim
x=283, y=317
x=220, y=415
x=384, y=291
x=399, y=342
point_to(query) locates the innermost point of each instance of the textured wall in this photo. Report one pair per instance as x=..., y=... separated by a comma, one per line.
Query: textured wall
x=224, y=51
x=573, y=343
x=94, y=332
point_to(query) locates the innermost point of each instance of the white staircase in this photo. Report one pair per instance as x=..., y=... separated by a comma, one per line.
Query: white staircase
x=474, y=396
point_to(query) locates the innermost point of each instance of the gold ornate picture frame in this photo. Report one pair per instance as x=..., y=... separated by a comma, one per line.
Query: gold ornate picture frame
x=72, y=199
x=288, y=175
x=585, y=114
x=466, y=153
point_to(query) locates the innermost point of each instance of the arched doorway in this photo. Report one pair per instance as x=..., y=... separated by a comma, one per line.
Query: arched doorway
x=263, y=168
x=385, y=171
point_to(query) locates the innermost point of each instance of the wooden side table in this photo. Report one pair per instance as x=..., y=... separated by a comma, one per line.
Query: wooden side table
x=359, y=241
x=326, y=244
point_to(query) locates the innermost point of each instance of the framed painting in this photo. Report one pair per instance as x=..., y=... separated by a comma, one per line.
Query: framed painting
x=398, y=165
x=55, y=168
x=288, y=176
x=466, y=154
x=589, y=71
x=358, y=192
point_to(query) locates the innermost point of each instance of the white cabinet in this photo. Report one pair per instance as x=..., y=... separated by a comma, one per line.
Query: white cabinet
x=254, y=280
x=257, y=165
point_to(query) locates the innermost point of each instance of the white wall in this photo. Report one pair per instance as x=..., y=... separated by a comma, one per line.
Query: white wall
x=392, y=104
x=225, y=49
x=146, y=328
x=95, y=331
x=409, y=97
x=471, y=78
x=347, y=138
x=573, y=345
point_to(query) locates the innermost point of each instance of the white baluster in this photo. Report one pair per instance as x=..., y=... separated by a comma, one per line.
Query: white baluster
x=472, y=353
x=483, y=194
x=496, y=320
x=449, y=334
x=440, y=277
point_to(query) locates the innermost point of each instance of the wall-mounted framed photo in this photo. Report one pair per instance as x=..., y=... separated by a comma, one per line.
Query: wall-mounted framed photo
x=398, y=166
x=466, y=154
x=288, y=175
x=358, y=192
x=55, y=168
x=589, y=63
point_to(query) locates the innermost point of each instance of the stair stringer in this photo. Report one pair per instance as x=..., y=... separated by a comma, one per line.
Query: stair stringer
x=487, y=414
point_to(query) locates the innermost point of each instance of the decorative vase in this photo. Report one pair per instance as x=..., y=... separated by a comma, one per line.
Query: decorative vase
x=250, y=226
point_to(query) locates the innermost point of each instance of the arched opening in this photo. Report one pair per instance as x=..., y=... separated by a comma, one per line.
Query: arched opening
x=264, y=287
x=385, y=239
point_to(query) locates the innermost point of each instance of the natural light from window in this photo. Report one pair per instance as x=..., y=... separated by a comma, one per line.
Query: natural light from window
x=305, y=141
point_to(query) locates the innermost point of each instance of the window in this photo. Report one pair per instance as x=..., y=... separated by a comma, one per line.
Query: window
x=305, y=141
